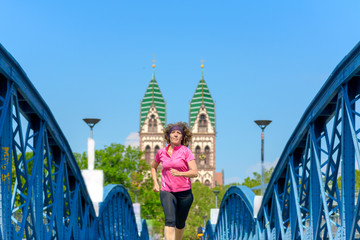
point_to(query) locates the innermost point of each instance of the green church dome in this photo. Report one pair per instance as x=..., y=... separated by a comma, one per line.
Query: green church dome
x=201, y=97
x=153, y=96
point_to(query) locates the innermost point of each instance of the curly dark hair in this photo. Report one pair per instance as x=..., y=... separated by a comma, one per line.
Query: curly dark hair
x=186, y=130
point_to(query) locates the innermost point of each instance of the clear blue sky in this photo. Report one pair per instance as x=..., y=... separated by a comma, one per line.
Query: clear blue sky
x=263, y=60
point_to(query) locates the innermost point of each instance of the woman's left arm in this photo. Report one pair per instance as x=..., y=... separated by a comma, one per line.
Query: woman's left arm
x=192, y=173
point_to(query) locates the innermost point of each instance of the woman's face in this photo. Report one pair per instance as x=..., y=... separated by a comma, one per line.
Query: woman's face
x=175, y=137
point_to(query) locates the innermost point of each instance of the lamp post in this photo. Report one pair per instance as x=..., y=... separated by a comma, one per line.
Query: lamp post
x=94, y=179
x=216, y=192
x=135, y=191
x=91, y=122
x=262, y=124
x=204, y=217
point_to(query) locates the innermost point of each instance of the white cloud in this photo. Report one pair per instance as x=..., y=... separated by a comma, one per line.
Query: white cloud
x=133, y=139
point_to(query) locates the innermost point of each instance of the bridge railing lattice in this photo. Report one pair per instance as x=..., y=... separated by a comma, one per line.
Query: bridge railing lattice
x=313, y=192
x=42, y=192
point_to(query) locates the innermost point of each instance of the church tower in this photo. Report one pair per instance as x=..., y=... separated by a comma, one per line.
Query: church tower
x=152, y=120
x=203, y=126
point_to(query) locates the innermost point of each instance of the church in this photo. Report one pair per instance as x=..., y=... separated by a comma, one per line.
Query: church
x=202, y=121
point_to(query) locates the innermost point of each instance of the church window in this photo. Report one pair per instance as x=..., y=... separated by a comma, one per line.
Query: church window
x=147, y=154
x=156, y=149
x=207, y=182
x=197, y=153
x=202, y=123
x=152, y=124
x=207, y=154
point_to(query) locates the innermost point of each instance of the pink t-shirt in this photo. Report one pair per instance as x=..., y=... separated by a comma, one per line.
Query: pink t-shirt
x=179, y=161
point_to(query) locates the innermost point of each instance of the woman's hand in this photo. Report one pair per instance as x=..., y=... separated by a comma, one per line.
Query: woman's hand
x=154, y=166
x=192, y=173
x=156, y=187
x=175, y=172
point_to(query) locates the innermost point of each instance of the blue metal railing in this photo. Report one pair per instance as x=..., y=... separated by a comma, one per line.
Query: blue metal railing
x=42, y=192
x=116, y=216
x=43, y=195
x=311, y=194
x=236, y=219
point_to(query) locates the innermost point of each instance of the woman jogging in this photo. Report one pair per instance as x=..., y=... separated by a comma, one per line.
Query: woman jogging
x=178, y=166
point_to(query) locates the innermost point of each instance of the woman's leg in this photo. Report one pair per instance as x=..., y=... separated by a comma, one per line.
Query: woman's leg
x=179, y=233
x=184, y=201
x=169, y=233
x=169, y=202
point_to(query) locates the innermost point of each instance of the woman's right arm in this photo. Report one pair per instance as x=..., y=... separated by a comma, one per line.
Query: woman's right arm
x=154, y=166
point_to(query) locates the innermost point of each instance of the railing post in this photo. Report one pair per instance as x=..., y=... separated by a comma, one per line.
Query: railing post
x=38, y=173
x=315, y=193
x=347, y=165
x=6, y=161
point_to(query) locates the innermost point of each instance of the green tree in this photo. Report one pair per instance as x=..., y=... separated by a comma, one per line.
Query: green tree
x=121, y=165
x=255, y=180
x=81, y=160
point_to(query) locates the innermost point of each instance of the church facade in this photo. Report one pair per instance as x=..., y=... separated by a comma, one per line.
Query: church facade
x=202, y=121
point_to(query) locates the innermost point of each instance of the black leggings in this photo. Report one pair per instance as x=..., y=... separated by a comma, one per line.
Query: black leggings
x=176, y=207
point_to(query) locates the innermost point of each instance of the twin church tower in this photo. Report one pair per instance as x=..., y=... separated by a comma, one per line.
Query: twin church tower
x=202, y=121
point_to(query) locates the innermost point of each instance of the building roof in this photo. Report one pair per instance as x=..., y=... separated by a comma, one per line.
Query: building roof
x=201, y=97
x=153, y=96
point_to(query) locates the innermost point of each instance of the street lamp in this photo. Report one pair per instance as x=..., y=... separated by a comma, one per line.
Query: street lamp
x=94, y=179
x=262, y=124
x=216, y=192
x=91, y=122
